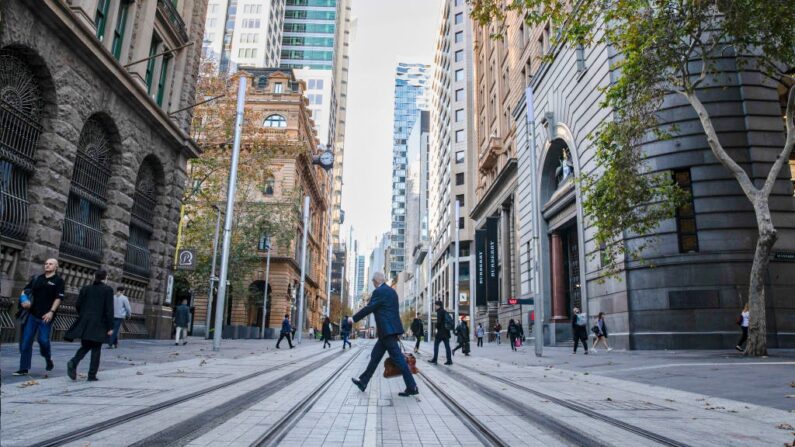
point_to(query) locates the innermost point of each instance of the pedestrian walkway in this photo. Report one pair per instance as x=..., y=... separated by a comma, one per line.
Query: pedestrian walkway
x=726, y=374
x=250, y=394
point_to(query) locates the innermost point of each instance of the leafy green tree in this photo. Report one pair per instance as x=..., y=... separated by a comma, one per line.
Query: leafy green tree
x=670, y=48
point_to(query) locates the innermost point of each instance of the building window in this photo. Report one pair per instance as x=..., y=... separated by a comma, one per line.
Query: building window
x=101, y=18
x=459, y=18
x=161, y=84
x=459, y=55
x=82, y=229
x=460, y=199
x=275, y=121
x=459, y=75
x=250, y=23
x=278, y=87
x=459, y=157
x=459, y=115
x=150, y=65
x=459, y=37
x=459, y=2
x=459, y=179
x=118, y=33
x=686, y=215
x=459, y=94
x=460, y=223
x=247, y=53
x=315, y=84
x=269, y=186
x=580, y=53
x=262, y=82
x=459, y=136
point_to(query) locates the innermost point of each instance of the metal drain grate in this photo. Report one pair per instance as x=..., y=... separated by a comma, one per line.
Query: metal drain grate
x=620, y=405
x=109, y=392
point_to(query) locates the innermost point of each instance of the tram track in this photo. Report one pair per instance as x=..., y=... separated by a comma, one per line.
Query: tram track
x=114, y=422
x=656, y=437
x=480, y=430
x=274, y=435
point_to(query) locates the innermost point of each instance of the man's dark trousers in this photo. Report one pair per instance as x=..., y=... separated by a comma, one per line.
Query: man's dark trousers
x=417, y=345
x=388, y=344
x=34, y=327
x=282, y=336
x=96, y=352
x=446, y=348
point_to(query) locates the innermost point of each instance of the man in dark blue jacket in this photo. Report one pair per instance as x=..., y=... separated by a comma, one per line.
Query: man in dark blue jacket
x=345, y=331
x=286, y=332
x=385, y=307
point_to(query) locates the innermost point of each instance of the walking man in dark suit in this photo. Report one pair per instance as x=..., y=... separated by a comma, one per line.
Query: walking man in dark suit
x=384, y=305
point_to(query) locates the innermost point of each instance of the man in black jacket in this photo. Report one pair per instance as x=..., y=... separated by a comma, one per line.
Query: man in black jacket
x=416, y=329
x=442, y=334
x=93, y=326
x=385, y=307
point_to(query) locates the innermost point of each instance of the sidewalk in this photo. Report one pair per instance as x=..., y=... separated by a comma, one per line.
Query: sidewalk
x=726, y=374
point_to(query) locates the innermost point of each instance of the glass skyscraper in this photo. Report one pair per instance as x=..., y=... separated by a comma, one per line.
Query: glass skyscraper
x=309, y=31
x=410, y=80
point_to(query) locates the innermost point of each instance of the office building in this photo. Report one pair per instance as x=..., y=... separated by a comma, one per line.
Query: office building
x=410, y=85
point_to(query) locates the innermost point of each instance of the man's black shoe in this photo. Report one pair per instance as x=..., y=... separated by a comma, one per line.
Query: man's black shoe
x=21, y=372
x=71, y=370
x=409, y=392
x=50, y=365
x=433, y=361
x=359, y=384
x=92, y=378
x=448, y=362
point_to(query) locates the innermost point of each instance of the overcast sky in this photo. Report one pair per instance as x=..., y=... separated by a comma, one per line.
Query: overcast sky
x=387, y=32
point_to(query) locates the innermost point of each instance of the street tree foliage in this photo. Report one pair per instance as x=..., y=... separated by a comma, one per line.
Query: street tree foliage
x=338, y=310
x=669, y=49
x=255, y=213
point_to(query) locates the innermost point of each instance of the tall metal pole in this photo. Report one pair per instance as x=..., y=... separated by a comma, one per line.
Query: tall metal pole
x=230, y=208
x=428, y=297
x=300, y=324
x=207, y=321
x=265, y=292
x=538, y=302
x=342, y=286
x=330, y=250
x=456, y=258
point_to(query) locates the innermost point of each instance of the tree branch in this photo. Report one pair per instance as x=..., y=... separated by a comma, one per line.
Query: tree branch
x=783, y=157
x=717, y=149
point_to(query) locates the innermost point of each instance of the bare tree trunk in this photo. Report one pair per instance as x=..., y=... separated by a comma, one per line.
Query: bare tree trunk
x=757, y=327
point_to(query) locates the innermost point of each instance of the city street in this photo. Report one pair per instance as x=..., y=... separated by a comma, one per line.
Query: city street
x=154, y=393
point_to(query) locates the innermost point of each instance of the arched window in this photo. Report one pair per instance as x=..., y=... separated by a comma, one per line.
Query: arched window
x=82, y=232
x=142, y=224
x=275, y=121
x=20, y=110
x=269, y=186
x=262, y=82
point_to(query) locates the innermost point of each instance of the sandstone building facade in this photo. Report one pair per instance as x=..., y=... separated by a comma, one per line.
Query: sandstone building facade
x=94, y=144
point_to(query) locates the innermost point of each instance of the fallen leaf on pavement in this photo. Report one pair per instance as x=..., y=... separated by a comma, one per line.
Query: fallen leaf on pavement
x=784, y=427
x=203, y=362
x=138, y=373
x=609, y=399
x=28, y=383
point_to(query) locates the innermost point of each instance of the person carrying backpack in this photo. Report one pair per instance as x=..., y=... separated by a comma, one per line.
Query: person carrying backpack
x=444, y=324
x=462, y=337
x=513, y=333
x=345, y=331
x=579, y=323
x=416, y=329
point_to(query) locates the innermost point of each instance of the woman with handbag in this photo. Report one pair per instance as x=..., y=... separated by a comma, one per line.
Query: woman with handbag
x=93, y=326
x=600, y=332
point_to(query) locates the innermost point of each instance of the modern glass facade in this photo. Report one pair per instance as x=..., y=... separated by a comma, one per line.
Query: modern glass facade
x=410, y=81
x=309, y=32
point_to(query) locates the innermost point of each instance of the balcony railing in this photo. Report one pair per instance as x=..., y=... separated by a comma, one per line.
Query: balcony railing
x=167, y=9
x=136, y=261
x=13, y=201
x=19, y=136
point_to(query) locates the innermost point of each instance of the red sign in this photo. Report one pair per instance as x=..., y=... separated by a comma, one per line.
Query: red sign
x=513, y=301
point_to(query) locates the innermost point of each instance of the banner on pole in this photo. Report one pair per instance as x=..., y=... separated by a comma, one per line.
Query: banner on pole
x=492, y=279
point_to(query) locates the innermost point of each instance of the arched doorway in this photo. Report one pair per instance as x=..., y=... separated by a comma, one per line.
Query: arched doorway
x=142, y=218
x=561, y=247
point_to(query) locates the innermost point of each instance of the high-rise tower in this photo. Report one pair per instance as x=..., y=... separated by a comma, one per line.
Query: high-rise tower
x=410, y=80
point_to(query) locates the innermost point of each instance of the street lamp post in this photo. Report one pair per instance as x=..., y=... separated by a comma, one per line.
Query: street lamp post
x=267, y=246
x=300, y=323
x=456, y=258
x=230, y=208
x=208, y=321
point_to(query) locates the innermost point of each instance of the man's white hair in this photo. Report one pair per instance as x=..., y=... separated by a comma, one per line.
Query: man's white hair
x=379, y=277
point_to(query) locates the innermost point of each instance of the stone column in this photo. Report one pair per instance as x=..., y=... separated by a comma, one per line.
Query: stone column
x=505, y=257
x=558, y=278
